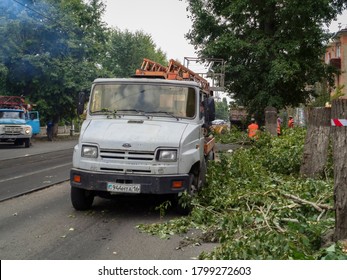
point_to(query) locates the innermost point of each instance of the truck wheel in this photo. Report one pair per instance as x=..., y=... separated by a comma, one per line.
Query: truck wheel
x=27, y=142
x=18, y=142
x=81, y=199
x=196, y=183
x=183, y=200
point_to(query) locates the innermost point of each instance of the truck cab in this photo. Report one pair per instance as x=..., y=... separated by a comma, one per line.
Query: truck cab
x=13, y=127
x=141, y=136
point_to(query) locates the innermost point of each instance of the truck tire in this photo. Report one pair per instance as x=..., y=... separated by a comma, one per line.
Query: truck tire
x=81, y=199
x=27, y=142
x=183, y=200
x=197, y=181
x=18, y=142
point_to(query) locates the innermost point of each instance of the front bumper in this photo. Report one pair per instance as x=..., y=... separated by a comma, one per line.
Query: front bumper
x=9, y=136
x=150, y=184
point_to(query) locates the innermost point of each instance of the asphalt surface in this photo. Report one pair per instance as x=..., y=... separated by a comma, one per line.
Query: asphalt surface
x=38, y=146
x=43, y=225
x=24, y=170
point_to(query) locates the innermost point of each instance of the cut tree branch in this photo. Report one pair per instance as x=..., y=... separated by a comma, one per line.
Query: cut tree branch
x=318, y=207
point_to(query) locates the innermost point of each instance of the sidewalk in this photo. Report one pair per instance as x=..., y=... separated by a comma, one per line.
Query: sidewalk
x=62, y=130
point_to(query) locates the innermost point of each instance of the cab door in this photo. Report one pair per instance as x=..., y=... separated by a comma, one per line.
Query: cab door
x=34, y=121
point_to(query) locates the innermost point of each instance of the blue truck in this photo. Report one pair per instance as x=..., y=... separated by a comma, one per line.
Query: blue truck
x=18, y=123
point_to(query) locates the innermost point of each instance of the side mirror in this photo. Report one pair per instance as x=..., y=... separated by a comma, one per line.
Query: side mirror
x=81, y=101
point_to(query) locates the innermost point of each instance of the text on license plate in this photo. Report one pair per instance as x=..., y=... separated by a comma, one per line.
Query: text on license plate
x=124, y=188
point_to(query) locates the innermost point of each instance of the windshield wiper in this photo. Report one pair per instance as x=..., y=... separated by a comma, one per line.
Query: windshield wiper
x=102, y=111
x=130, y=110
x=163, y=112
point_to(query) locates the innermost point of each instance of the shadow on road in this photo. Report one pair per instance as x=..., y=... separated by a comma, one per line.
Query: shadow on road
x=150, y=205
x=10, y=146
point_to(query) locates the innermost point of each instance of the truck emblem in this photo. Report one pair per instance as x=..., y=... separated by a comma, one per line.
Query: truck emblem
x=126, y=145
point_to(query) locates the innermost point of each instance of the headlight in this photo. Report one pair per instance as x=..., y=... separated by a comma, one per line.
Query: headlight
x=167, y=155
x=89, y=151
x=27, y=130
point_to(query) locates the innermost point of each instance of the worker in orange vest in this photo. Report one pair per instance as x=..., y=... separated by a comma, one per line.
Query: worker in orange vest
x=291, y=122
x=279, y=122
x=253, y=129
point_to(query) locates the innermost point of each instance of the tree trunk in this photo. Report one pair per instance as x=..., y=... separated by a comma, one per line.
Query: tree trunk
x=316, y=142
x=339, y=133
x=271, y=120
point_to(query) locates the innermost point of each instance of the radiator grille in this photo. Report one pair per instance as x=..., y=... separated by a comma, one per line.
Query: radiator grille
x=127, y=155
x=126, y=161
x=13, y=130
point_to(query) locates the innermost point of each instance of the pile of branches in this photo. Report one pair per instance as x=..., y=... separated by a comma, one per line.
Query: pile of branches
x=256, y=206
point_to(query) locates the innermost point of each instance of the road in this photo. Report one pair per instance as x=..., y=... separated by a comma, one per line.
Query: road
x=39, y=146
x=23, y=170
x=43, y=224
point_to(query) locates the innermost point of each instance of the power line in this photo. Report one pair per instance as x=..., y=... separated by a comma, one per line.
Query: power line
x=31, y=9
x=40, y=14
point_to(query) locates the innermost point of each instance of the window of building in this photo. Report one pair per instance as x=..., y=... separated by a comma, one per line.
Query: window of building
x=338, y=51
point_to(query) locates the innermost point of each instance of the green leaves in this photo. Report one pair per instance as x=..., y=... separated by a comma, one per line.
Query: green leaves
x=48, y=60
x=55, y=49
x=127, y=51
x=285, y=153
x=273, y=49
x=336, y=251
x=256, y=206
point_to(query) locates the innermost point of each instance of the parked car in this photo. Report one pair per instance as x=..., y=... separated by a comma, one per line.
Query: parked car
x=215, y=122
x=219, y=126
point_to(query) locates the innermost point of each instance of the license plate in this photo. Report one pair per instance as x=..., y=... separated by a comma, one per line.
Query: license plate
x=124, y=188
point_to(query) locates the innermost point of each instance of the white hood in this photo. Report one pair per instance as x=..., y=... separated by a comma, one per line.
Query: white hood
x=140, y=135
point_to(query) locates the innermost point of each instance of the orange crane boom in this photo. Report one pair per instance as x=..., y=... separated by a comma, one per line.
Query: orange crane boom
x=174, y=71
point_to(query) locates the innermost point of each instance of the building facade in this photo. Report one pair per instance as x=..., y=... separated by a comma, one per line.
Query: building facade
x=336, y=55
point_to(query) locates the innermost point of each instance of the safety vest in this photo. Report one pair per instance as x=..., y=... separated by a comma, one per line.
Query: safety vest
x=278, y=127
x=291, y=123
x=252, y=130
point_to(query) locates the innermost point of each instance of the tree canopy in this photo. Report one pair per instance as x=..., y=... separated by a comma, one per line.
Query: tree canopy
x=126, y=50
x=273, y=48
x=53, y=49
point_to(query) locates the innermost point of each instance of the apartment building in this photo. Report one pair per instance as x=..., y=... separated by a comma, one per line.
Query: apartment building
x=336, y=55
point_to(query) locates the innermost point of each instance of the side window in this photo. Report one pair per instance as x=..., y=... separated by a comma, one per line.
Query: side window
x=191, y=103
x=202, y=105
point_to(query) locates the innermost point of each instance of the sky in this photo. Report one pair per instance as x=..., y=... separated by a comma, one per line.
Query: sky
x=165, y=20
x=341, y=20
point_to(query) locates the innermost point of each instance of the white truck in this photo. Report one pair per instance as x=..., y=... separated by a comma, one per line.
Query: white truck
x=142, y=135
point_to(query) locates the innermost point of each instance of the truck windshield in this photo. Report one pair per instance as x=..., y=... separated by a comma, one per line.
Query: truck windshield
x=11, y=115
x=143, y=98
